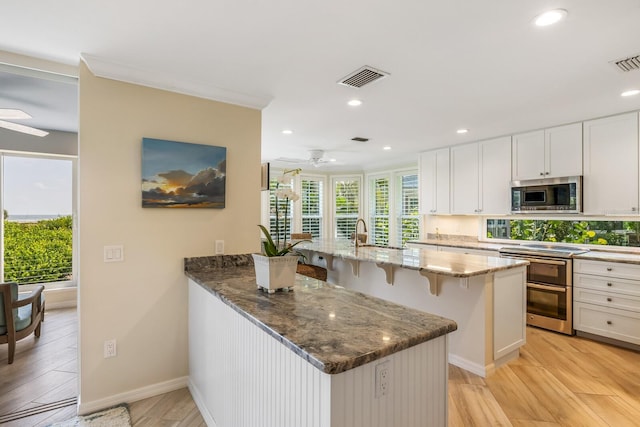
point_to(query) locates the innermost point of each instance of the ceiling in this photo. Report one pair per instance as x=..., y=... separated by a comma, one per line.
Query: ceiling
x=452, y=64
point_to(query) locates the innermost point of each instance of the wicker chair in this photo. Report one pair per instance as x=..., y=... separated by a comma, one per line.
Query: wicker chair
x=20, y=315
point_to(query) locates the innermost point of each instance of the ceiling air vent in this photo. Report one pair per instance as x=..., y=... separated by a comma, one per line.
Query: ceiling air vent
x=360, y=139
x=362, y=76
x=628, y=64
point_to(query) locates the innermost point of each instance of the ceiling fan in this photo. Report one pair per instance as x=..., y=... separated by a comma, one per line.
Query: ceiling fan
x=316, y=158
x=14, y=114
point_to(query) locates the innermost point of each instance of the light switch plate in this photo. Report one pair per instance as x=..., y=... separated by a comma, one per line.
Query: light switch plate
x=114, y=253
x=219, y=247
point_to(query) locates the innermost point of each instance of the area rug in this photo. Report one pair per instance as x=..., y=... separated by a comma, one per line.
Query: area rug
x=117, y=416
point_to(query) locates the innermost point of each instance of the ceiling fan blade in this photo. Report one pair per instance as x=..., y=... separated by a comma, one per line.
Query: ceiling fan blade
x=22, y=128
x=13, y=114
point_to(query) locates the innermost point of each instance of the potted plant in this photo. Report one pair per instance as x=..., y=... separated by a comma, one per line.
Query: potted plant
x=276, y=266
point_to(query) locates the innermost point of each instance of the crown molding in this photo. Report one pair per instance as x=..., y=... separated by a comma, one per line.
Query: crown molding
x=101, y=67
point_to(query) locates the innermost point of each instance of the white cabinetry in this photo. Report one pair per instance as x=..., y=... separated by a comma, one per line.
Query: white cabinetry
x=548, y=153
x=434, y=182
x=610, y=184
x=607, y=299
x=480, y=176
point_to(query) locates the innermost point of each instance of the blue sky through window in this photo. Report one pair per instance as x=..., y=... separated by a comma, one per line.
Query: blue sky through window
x=37, y=186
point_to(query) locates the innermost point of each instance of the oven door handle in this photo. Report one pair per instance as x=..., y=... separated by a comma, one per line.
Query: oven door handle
x=536, y=260
x=547, y=288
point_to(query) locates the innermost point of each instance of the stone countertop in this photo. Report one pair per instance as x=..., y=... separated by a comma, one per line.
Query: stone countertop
x=332, y=328
x=430, y=261
x=624, y=255
x=463, y=243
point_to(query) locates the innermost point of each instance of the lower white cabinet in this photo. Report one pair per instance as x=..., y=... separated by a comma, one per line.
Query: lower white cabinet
x=606, y=299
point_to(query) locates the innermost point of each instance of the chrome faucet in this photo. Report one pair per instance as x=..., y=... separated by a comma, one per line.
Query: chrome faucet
x=364, y=224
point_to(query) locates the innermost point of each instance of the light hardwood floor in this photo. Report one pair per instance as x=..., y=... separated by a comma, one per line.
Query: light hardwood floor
x=557, y=381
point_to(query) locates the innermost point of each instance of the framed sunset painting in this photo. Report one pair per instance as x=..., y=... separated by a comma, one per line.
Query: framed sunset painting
x=182, y=175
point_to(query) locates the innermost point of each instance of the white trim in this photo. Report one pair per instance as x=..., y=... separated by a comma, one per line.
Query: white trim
x=41, y=68
x=133, y=395
x=200, y=403
x=468, y=365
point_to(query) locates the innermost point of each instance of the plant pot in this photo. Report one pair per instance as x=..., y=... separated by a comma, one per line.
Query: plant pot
x=273, y=273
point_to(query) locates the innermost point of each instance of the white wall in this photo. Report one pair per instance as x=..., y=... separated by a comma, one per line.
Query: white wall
x=142, y=302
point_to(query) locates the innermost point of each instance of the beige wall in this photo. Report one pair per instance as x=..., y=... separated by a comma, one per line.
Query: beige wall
x=142, y=302
x=458, y=225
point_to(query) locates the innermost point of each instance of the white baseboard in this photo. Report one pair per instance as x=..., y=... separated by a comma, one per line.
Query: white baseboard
x=61, y=304
x=465, y=364
x=197, y=398
x=132, y=395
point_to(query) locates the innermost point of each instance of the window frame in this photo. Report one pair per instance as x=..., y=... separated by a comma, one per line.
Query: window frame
x=74, y=209
x=332, y=212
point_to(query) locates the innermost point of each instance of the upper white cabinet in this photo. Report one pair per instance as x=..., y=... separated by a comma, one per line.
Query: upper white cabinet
x=553, y=152
x=465, y=174
x=434, y=182
x=480, y=177
x=610, y=183
x=495, y=177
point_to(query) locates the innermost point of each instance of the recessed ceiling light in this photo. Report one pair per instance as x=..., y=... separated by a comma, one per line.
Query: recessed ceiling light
x=13, y=114
x=332, y=160
x=355, y=102
x=630, y=92
x=22, y=128
x=550, y=17
x=287, y=131
x=386, y=147
x=462, y=131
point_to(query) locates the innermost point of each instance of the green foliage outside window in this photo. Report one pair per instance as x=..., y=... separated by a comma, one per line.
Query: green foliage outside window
x=612, y=233
x=38, y=252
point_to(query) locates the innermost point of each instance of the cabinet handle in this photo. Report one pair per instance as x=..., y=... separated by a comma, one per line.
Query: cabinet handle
x=609, y=322
x=609, y=268
x=633, y=209
x=546, y=173
x=609, y=284
x=608, y=299
x=541, y=173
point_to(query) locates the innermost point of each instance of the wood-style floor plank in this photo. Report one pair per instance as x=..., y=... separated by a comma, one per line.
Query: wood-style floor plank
x=558, y=381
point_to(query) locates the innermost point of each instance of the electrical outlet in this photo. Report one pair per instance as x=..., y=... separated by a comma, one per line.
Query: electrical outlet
x=110, y=348
x=383, y=379
x=219, y=247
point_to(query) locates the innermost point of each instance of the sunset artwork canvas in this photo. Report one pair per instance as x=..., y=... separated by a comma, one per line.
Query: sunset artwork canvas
x=182, y=175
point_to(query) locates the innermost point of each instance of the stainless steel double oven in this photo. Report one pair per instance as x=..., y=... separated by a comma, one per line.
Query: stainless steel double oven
x=549, y=284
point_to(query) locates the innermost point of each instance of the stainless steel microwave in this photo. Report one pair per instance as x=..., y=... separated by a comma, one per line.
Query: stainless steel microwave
x=549, y=195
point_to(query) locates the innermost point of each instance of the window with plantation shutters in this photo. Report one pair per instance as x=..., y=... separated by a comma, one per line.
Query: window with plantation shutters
x=379, y=211
x=283, y=210
x=408, y=219
x=346, y=200
x=312, y=206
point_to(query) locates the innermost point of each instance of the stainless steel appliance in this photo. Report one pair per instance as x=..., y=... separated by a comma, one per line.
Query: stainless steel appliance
x=549, y=284
x=549, y=195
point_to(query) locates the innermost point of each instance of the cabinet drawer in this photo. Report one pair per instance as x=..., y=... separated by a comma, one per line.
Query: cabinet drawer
x=609, y=284
x=607, y=299
x=608, y=269
x=621, y=325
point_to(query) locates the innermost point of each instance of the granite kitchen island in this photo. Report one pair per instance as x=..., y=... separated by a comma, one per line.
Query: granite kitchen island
x=484, y=295
x=319, y=355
